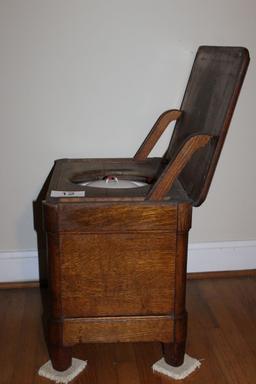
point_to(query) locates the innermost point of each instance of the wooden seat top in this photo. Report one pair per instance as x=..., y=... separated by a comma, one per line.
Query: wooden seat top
x=185, y=171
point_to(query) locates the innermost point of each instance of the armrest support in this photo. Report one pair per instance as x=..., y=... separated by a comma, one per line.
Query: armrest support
x=163, y=121
x=174, y=168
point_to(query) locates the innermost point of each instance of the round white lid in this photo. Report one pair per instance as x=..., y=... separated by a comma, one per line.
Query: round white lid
x=113, y=182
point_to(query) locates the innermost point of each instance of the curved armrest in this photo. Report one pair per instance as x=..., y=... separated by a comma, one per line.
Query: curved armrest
x=163, y=121
x=174, y=168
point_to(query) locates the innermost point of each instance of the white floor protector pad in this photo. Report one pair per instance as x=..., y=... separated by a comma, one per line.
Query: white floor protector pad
x=177, y=373
x=62, y=377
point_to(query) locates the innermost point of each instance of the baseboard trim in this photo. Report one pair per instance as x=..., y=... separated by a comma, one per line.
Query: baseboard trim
x=22, y=284
x=231, y=257
x=222, y=256
x=18, y=266
x=221, y=274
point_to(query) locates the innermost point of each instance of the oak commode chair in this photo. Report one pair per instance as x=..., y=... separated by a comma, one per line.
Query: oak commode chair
x=117, y=229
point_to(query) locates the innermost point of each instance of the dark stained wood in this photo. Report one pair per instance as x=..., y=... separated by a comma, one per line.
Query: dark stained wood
x=135, y=279
x=161, y=124
x=112, y=218
x=118, y=329
x=39, y=227
x=207, y=108
x=68, y=173
x=221, y=332
x=60, y=356
x=174, y=168
x=190, y=276
x=121, y=269
x=208, y=104
x=117, y=257
x=174, y=351
x=54, y=275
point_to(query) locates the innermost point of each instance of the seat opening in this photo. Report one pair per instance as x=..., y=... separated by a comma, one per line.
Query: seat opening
x=112, y=181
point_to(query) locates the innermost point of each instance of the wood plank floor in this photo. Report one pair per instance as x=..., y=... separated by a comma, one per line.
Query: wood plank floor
x=222, y=332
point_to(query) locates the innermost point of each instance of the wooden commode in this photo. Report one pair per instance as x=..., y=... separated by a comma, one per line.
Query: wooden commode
x=117, y=229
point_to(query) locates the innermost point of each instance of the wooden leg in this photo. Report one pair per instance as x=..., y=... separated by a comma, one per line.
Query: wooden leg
x=174, y=353
x=60, y=357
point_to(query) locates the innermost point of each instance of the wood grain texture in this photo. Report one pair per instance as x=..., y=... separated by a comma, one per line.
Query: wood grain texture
x=68, y=173
x=118, y=329
x=161, y=124
x=190, y=276
x=175, y=166
x=129, y=258
x=109, y=218
x=54, y=306
x=135, y=277
x=221, y=332
x=207, y=107
x=184, y=218
x=174, y=351
x=208, y=104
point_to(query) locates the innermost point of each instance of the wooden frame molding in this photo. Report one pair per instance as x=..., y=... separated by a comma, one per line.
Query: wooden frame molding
x=118, y=329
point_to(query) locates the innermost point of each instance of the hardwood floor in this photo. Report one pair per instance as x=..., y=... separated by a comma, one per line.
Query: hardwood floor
x=222, y=332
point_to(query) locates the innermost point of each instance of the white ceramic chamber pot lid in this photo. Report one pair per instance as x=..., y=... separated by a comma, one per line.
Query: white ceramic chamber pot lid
x=113, y=182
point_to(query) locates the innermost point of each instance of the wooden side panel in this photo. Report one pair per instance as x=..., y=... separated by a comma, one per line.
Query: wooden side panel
x=117, y=274
x=117, y=218
x=118, y=329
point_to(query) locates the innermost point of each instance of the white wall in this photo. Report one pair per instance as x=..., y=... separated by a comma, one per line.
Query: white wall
x=87, y=78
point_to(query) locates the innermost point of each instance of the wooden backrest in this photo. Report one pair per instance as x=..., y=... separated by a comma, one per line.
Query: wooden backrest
x=208, y=104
